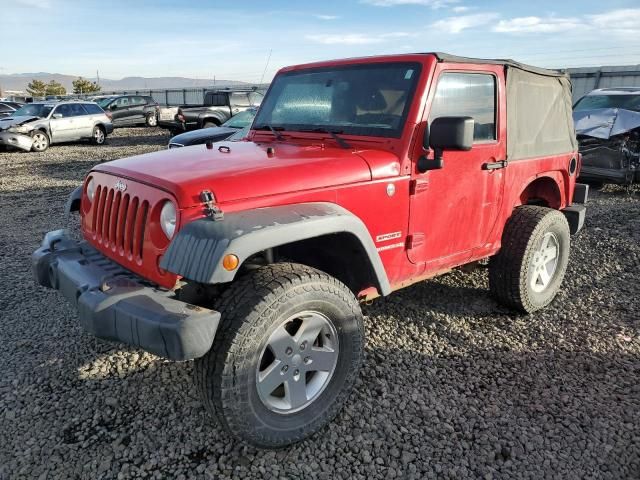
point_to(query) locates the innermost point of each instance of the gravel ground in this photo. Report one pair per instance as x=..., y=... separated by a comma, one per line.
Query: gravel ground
x=454, y=386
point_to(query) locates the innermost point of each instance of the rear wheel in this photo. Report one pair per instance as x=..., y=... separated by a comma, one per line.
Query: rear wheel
x=98, y=136
x=285, y=357
x=40, y=141
x=527, y=272
x=151, y=120
x=209, y=124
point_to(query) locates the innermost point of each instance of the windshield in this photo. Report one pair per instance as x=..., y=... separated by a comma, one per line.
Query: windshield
x=590, y=102
x=241, y=120
x=103, y=102
x=371, y=99
x=41, y=110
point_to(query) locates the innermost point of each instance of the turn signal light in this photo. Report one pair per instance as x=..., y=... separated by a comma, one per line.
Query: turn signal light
x=230, y=262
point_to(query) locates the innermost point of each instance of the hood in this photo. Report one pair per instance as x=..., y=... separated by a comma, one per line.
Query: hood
x=13, y=121
x=215, y=134
x=605, y=122
x=246, y=171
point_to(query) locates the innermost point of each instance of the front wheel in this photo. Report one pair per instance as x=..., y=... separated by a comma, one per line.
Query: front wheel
x=40, y=141
x=151, y=120
x=527, y=272
x=285, y=357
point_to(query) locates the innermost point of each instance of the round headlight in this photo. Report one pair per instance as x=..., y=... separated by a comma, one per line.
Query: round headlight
x=91, y=189
x=168, y=219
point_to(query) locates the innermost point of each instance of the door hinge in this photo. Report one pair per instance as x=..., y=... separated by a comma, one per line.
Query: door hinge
x=418, y=186
x=415, y=240
x=495, y=165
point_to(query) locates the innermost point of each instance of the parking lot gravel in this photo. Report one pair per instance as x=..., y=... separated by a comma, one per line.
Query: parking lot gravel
x=454, y=385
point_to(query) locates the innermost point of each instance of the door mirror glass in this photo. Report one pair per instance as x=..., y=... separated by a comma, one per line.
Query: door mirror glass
x=57, y=115
x=449, y=133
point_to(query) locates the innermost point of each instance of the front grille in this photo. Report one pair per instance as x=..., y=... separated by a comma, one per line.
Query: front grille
x=119, y=221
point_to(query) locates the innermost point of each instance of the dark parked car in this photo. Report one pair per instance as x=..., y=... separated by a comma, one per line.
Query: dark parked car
x=607, y=124
x=129, y=110
x=219, y=106
x=7, y=108
x=233, y=129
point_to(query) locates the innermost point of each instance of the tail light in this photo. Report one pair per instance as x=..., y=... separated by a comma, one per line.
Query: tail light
x=109, y=115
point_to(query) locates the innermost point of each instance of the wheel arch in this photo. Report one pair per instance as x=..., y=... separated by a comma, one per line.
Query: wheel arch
x=321, y=235
x=544, y=191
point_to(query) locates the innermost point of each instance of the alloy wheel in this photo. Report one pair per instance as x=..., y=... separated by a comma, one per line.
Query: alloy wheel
x=545, y=262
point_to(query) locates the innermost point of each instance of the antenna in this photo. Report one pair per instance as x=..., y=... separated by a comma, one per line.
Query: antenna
x=266, y=65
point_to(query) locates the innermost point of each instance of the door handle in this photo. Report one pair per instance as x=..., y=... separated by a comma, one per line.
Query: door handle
x=495, y=165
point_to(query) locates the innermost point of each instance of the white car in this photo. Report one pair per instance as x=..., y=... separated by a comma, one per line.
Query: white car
x=35, y=126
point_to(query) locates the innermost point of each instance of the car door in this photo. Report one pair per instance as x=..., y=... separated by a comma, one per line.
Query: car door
x=137, y=105
x=83, y=122
x=119, y=109
x=453, y=209
x=62, y=124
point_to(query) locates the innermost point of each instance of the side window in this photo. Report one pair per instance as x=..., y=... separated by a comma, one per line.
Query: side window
x=239, y=99
x=138, y=101
x=216, y=99
x=64, y=110
x=77, y=110
x=122, y=102
x=5, y=108
x=468, y=95
x=92, y=108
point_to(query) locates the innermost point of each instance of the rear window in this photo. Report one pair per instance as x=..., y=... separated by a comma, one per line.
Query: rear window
x=92, y=108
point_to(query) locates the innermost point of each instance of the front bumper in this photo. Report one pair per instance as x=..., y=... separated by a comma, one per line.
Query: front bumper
x=16, y=140
x=108, y=127
x=114, y=304
x=172, y=125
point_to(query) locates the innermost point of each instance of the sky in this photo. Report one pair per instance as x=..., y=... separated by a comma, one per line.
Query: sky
x=250, y=40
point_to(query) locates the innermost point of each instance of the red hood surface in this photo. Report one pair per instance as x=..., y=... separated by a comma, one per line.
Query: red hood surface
x=246, y=171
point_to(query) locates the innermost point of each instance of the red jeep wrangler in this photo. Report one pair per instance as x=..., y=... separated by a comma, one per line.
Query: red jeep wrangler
x=359, y=177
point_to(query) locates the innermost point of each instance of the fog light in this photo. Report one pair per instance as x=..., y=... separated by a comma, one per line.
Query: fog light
x=230, y=262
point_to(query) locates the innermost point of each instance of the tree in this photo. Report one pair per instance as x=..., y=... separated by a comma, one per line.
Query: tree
x=55, y=88
x=82, y=85
x=37, y=88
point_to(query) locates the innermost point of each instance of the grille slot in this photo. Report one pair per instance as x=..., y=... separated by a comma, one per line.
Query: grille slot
x=119, y=222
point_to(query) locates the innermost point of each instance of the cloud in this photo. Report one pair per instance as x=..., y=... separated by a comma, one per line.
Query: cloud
x=625, y=20
x=463, y=22
x=537, y=25
x=435, y=4
x=460, y=9
x=326, y=17
x=356, y=38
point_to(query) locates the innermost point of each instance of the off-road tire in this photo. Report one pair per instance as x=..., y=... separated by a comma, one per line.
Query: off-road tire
x=98, y=135
x=151, y=120
x=209, y=124
x=511, y=269
x=43, y=141
x=251, y=309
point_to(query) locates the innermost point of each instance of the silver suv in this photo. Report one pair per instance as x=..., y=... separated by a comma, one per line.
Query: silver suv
x=35, y=126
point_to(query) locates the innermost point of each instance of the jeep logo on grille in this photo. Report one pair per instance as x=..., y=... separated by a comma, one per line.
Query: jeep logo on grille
x=120, y=185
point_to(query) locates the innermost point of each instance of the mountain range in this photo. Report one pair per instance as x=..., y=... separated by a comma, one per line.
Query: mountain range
x=19, y=82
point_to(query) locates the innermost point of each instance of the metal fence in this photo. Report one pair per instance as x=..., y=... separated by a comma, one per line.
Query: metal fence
x=180, y=96
x=585, y=79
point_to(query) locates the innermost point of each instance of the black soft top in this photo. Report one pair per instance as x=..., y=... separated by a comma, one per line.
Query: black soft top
x=446, y=58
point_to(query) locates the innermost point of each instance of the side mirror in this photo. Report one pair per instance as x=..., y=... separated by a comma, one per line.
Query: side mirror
x=450, y=133
x=113, y=106
x=445, y=133
x=57, y=115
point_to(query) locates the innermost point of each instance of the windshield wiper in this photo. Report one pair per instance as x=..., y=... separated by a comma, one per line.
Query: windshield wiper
x=273, y=130
x=334, y=134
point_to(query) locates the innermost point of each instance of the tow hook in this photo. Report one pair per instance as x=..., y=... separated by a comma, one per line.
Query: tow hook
x=211, y=209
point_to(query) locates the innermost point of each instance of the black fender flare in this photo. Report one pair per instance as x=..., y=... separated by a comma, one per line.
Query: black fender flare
x=197, y=250
x=73, y=202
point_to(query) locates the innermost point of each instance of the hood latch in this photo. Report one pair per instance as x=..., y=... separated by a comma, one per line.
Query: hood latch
x=211, y=210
